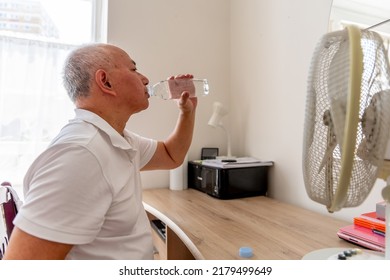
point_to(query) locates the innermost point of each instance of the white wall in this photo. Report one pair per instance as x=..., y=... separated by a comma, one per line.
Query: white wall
x=255, y=54
x=172, y=37
x=272, y=43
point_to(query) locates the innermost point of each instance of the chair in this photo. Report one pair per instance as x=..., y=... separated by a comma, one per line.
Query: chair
x=9, y=206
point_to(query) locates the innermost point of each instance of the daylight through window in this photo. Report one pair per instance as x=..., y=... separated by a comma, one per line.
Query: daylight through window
x=35, y=38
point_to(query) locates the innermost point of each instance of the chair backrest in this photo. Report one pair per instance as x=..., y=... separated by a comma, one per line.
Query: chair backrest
x=9, y=207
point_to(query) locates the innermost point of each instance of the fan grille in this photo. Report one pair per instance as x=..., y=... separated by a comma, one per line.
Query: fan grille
x=325, y=118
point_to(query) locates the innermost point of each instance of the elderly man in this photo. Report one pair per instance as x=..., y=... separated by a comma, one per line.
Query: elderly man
x=83, y=193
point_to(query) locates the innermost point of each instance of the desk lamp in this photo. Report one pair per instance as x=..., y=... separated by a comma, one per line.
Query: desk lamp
x=219, y=111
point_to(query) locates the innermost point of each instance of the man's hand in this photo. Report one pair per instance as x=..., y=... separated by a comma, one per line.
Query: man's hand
x=186, y=99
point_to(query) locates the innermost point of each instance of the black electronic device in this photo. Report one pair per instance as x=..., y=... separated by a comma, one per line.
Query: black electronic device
x=209, y=153
x=228, y=183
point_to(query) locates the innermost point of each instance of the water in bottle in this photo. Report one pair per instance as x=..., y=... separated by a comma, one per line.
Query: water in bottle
x=172, y=89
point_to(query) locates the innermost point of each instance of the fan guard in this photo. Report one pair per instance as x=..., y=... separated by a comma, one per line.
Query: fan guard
x=347, y=117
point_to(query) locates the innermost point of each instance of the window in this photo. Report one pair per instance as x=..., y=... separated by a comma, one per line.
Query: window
x=363, y=14
x=35, y=38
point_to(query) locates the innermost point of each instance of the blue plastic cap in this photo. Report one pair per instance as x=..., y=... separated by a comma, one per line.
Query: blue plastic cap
x=246, y=252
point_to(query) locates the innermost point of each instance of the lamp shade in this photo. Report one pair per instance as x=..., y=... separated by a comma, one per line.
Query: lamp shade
x=219, y=111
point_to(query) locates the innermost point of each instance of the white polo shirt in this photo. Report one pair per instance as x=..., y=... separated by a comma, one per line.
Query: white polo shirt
x=85, y=189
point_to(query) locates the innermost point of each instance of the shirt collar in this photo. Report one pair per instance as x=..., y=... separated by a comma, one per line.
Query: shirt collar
x=116, y=139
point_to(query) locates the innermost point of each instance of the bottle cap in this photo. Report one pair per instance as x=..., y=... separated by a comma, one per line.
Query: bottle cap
x=246, y=252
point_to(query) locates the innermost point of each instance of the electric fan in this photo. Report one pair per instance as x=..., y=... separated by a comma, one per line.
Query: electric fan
x=347, y=119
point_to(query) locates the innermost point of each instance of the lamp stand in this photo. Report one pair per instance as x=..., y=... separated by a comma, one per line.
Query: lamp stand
x=229, y=150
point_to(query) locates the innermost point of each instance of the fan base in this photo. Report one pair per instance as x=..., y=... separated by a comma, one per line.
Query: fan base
x=333, y=254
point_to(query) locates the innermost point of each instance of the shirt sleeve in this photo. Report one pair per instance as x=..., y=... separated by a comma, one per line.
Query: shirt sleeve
x=145, y=146
x=58, y=202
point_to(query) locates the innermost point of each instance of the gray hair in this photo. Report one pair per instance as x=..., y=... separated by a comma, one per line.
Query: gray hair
x=81, y=66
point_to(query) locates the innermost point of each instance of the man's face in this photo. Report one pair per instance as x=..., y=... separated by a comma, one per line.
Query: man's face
x=129, y=84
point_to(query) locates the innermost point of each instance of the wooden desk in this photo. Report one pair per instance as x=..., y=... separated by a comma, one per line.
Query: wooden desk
x=215, y=229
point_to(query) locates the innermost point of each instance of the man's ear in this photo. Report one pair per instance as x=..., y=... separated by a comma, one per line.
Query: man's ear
x=103, y=82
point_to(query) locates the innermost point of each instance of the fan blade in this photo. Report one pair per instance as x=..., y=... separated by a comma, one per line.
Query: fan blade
x=328, y=154
x=370, y=127
x=331, y=140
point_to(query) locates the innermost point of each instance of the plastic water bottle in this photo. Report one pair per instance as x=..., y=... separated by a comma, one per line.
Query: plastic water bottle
x=172, y=89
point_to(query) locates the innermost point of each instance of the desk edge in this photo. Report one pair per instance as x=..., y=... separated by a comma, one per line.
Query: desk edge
x=174, y=227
